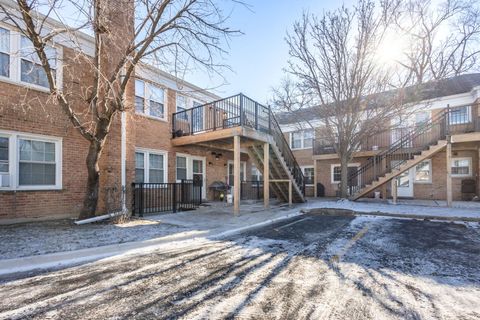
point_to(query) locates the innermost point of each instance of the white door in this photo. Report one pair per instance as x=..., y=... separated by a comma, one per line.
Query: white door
x=198, y=172
x=192, y=167
x=404, y=182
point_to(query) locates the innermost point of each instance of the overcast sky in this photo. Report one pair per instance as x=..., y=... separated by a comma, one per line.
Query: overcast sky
x=258, y=56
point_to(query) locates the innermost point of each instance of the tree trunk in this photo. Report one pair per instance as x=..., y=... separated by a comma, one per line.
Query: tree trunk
x=93, y=181
x=344, y=176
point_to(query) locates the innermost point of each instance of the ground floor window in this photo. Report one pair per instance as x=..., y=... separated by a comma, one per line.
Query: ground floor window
x=336, y=171
x=423, y=171
x=150, y=166
x=308, y=173
x=461, y=167
x=181, y=168
x=256, y=174
x=29, y=161
x=231, y=179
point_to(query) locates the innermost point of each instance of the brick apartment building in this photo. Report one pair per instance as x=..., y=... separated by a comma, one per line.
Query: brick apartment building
x=169, y=134
x=424, y=180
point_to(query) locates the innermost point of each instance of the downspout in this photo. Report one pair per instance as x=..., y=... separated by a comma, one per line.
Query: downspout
x=123, y=151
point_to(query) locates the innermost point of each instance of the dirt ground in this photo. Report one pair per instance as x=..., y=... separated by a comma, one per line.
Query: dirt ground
x=310, y=267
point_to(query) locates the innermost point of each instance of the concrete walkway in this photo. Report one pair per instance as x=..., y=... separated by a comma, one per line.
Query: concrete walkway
x=211, y=222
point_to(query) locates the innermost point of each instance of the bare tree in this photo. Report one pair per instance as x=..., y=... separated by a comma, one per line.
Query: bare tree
x=333, y=59
x=126, y=32
x=441, y=39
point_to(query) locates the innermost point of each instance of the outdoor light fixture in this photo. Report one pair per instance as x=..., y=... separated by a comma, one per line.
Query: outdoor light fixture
x=217, y=155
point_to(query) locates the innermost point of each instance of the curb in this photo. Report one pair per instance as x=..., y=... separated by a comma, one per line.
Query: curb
x=349, y=212
x=69, y=258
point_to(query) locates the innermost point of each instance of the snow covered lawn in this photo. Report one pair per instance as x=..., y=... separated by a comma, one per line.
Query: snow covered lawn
x=310, y=267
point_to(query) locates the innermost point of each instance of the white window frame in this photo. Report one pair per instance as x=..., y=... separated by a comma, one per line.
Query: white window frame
x=9, y=53
x=14, y=160
x=146, y=100
x=334, y=165
x=146, y=163
x=303, y=171
x=470, y=165
x=302, y=139
x=429, y=176
x=16, y=66
x=257, y=172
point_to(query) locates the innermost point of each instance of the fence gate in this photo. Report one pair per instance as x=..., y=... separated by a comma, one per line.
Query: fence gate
x=163, y=197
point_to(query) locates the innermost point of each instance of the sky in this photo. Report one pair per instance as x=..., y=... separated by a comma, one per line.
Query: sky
x=258, y=57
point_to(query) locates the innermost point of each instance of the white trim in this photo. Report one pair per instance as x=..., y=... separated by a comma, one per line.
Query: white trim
x=470, y=165
x=123, y=155
x=189, y=166
x=146, y=164
x=333, y=165
x=14, y=158
x=429, y=181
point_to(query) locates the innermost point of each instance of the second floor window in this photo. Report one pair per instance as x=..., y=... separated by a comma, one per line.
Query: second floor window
x=149, y=99
x=31, y=67
x=302, y=139
x=460, y=115
x=4, y=52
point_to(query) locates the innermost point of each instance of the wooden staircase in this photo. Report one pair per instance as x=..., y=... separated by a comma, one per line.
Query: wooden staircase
x=404, y=166
x=279, y=170
x=418, y=144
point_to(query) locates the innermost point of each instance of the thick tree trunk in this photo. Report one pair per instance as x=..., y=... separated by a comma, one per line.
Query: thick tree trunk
x=93, y=181
x=344, y=176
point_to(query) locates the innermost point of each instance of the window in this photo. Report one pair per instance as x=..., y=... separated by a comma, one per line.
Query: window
x=462, y=167
x=231, y=170
x=181, y=168
x=336, y=172
x=423, y=172
x=150, y=166
x=37, y=163
x=309, y=173
x=256, y=174
x=460, y=115
x=302, y=139
x=139, y=167
x=4, y=52
x=149, y=99
x=31, y=67
x=30, y=162
x=421, y=118
x=182, y=106
x=4, y=154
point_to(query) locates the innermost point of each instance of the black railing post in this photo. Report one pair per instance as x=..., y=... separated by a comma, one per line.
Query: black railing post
x=191, y=121
x=258, y=190
x=256, y=115
x=214, y=116
x=133, y=198
x=241, y=110
x=173, y=125
x=269, y=120
x=174, y=197
x=142, y=191
x=447, y=122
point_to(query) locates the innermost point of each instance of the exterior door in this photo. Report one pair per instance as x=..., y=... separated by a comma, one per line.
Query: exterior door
x=198, y=174
x=404, y=182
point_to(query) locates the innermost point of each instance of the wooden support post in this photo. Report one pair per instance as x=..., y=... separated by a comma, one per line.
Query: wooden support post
x=266, y=175
x=449, y=172
x=394, y=190
x=290, y=193
x=236, y=174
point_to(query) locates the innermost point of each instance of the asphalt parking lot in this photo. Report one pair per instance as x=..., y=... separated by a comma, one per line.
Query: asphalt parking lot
x=309, y=267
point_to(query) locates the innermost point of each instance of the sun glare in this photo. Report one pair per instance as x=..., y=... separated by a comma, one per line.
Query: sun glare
x=391, y=49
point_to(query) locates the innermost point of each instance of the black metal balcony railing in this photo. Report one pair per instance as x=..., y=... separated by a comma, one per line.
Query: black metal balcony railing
x=235, y=111
x=411, y=142
x=460, y=121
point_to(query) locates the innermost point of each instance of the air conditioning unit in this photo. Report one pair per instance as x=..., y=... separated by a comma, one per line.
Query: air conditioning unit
x=4, y=180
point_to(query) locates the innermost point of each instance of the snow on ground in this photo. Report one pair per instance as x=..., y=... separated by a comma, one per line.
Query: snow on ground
x=415, y=207
x=322, y=267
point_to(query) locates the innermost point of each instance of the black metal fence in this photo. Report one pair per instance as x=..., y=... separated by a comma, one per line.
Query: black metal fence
x=251, y=190
x=163, y=197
